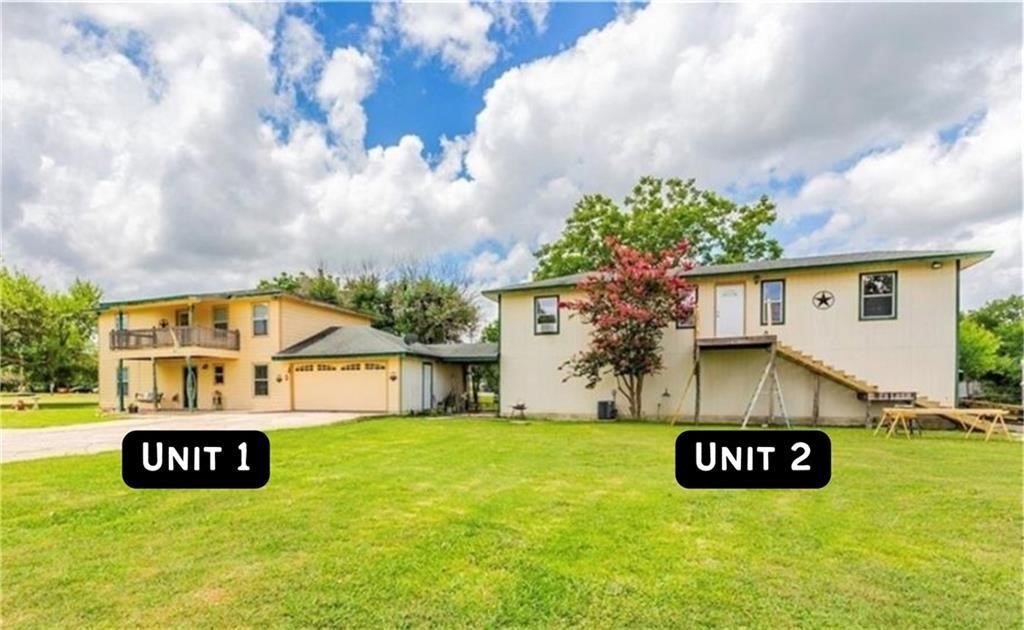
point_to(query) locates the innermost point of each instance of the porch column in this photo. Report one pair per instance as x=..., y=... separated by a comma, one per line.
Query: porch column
x=156, y=391
x=190, y=385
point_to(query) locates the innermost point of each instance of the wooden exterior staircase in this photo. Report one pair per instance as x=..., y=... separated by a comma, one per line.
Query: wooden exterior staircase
x=817, y=366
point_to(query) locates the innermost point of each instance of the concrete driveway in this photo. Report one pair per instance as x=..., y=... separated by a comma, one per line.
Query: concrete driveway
x=79, y=439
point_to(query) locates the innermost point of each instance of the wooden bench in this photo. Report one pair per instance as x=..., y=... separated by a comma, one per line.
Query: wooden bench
x=981, y=419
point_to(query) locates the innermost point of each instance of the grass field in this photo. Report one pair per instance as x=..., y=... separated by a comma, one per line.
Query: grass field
x=483, y=523
x=54, y=410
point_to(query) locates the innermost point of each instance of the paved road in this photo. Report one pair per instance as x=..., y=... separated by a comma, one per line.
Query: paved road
x=19, y=444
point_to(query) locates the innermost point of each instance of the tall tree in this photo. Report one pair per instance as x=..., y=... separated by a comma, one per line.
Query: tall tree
x=49, y=338
x=434, y=311
x=656, y=215
x=628, y=306
x=1003, y=318
x=979, y=350
x=319, y=285
x=409, y=301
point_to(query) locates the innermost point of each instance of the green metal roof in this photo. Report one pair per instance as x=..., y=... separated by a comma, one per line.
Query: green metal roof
x=213, y=295
x=228, y=295
x=363, y=341
x=969, y=257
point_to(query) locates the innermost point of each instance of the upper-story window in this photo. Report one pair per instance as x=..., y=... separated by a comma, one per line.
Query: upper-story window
x=182, y=317
x=691, y=300
x=773, y=302
x=545, y=315
x=220, y=317
x=260, y=319
x=121, y=321
x=878, y=295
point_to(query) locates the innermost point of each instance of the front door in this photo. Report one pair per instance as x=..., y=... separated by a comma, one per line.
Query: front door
x=189, y=391
x=729, y=299
x=428, y=386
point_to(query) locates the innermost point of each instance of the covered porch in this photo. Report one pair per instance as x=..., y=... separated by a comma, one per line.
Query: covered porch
x=175, y=382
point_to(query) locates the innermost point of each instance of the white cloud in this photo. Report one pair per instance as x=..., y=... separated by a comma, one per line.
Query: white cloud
x=347, y=79
x=137, y=148
x=301, y=49
x=455, y=32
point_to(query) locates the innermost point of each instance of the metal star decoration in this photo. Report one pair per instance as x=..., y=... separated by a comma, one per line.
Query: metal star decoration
x=823, y=300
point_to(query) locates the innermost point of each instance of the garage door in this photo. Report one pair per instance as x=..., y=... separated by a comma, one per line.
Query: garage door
x=349, y=386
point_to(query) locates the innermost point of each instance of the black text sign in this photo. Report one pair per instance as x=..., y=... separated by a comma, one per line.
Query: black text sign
x=195, y=459
x=753, y=459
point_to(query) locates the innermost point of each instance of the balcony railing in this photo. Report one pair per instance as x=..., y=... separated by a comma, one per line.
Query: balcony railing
x=172, y=337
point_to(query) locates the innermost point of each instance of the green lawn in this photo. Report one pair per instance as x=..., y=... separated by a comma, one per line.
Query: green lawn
x=54, y=410
x=483, y=523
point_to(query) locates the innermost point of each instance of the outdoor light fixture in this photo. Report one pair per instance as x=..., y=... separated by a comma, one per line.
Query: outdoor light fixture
x=393, y=376
x=936, y=265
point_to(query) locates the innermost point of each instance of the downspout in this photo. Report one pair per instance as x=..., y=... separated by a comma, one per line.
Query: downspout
x=956, y=337
x=497, y=394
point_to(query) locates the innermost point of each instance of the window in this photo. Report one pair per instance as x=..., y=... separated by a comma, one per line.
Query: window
x=545, y=315
x=773, y=302
x=218, y=375
x=375, y=366
x=121, y=321
x=305, y=368
x=691, y=300
x=182, y=317
x=220, y=318
x=260, y=313
x=878, y=295
x=260, y=380
x=122, y=382
x=349, y=367
x=325, y=367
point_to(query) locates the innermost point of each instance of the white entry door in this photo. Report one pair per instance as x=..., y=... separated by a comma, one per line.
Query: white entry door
x=729, y=299
x=428, y=386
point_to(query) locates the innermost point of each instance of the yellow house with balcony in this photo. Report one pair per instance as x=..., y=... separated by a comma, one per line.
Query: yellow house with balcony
x=270, y=350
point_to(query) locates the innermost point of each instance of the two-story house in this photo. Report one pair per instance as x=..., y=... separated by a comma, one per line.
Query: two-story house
x=269, y=350
x=842, y=331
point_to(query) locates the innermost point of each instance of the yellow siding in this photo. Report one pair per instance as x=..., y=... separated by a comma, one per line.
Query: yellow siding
x=289, y=321
x=301, y=320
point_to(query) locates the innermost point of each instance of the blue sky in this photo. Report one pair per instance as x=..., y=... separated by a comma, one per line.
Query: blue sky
x=299, y=134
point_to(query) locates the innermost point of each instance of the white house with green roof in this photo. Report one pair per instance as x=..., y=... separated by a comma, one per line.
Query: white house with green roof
x=840, y=335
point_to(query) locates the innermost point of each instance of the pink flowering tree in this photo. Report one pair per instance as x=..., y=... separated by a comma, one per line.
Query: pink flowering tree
x=628, y=304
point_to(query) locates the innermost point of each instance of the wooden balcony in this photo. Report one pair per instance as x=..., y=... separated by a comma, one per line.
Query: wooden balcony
x=174, y=337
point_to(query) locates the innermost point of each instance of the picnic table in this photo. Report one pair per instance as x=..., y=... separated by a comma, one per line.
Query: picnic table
x=981, y=419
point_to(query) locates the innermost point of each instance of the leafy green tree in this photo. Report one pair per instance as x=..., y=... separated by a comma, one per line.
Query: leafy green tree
x=49, y=338
x=654, y=217
x=367, y=293
x=488, y=374
x=412, y=302
x=434, y=311
x=319, y=285
x=1003, y=318
x=979, y=349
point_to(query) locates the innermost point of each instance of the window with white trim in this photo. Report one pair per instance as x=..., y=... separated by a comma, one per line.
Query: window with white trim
x=260, y=319
x=220, y=318
x=261, y=380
